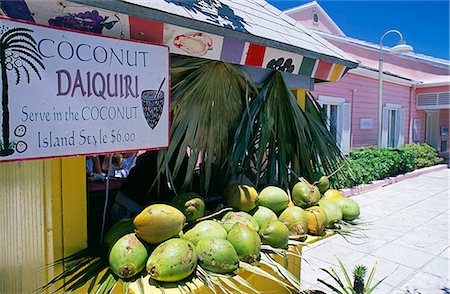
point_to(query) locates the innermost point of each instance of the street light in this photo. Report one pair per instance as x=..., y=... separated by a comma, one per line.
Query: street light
x=400, y=48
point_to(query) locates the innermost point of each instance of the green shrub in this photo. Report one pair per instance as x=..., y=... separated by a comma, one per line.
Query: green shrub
x=424, y=155
x=370, y=164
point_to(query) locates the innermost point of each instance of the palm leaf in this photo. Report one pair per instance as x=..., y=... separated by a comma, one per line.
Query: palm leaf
x=243, y=282
x=9, y=37
x=22, y=41
x=282, y=271
x=17, y=75
x=35, y=69
x=13, y=32
x=258, y=271
x=208, y=99
x=275, y=132
x=79, y=268
x=230, y=284
x=29, y=53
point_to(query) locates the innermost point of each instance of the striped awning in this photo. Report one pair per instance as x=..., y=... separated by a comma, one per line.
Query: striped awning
x=273, y=41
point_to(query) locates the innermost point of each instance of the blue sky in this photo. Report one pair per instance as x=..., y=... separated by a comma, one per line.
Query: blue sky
x=424, y=24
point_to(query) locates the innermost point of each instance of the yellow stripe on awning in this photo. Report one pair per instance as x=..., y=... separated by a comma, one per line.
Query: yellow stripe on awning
x=336, y=72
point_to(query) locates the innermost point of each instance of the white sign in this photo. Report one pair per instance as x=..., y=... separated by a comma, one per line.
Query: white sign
x=68, y=93
x=366, y=123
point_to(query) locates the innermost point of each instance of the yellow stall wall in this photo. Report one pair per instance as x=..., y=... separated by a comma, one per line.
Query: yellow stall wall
x=42, y=218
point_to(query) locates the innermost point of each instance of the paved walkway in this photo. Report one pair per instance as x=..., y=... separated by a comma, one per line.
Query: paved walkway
x=408, y=237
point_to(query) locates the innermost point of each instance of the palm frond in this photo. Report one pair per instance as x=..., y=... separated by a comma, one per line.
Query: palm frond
x=208, y=98
x=78, y=269
x=29, y=53
x=16, y=70
x=324, y=148
x=8, y=36
x=35, y=69
x=275, y=132
x=282, y=271
x=254, y=269
x=22, y=41
x=13, y=32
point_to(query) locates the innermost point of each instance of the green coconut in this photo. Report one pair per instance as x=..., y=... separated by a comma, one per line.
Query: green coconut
x=349, y=207
x=118, y=230
x=230, y=218
x=190, y=204
x=172, y=260
x=241, y=197
x=274, y=198
x=205, y=229
x=275, y=234
x=332, y=210
x=296, y=220
x=263, y=214
x=317, y=220
x=127, y=256
x=323, y=183
x=246, y=242
x=305, y=194
x=217, y=255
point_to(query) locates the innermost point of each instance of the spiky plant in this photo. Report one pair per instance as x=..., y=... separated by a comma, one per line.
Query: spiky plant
x=18, y=52
x=275, y=133
x=359, y=274
x=359, y=286
x=208, y=98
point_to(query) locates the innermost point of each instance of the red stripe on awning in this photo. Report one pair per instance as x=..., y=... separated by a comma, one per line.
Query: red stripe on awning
x=146, y=30
x=323, y=69
x=255, y=55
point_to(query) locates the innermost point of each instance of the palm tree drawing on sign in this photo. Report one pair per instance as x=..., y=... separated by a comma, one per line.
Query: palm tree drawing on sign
x=18, y=53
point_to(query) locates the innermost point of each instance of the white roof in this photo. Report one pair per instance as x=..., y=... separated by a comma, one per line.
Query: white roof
x=270, y=26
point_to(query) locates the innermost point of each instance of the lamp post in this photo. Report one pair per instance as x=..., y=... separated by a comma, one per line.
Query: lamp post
x=400, y=48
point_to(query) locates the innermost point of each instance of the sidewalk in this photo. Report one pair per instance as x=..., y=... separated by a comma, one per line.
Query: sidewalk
x=408, y=236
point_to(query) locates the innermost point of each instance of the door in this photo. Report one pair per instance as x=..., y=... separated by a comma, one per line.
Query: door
x=432, y=128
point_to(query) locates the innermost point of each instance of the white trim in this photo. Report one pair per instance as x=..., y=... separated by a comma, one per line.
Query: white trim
x=393, y=106
x=386, y=77
x=376, y=47
x=399, y=133
x=432, y=84
x=437, y=107
x=314, y=4
x=331, y=99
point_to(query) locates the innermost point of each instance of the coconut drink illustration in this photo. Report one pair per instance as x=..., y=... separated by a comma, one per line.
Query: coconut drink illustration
x=153, y=105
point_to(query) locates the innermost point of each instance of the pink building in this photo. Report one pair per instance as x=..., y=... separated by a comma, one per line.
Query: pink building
x=416, y=91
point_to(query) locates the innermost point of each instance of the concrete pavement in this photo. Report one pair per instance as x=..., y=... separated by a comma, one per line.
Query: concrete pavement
x=407, y=235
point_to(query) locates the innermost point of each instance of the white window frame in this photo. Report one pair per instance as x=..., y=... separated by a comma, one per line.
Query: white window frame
x=342, y=120
x=399, y=132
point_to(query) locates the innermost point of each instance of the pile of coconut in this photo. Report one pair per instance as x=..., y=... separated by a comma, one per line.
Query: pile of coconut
x=170, y=241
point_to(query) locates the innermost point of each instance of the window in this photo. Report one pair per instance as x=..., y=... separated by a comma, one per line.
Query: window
x=393, y=126
x=315, y=18
x=338, y=114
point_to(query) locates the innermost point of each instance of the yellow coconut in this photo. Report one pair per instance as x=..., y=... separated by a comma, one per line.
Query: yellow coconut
x=317, y=220
x=333, y=195
x=241, y=197
x=158, y=222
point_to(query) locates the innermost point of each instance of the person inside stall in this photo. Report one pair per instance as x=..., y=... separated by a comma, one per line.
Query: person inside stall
x=94, y=169
x=137, y=190
x=121, y=165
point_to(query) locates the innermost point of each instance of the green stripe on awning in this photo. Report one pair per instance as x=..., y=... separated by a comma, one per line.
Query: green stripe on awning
x=307, y=66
